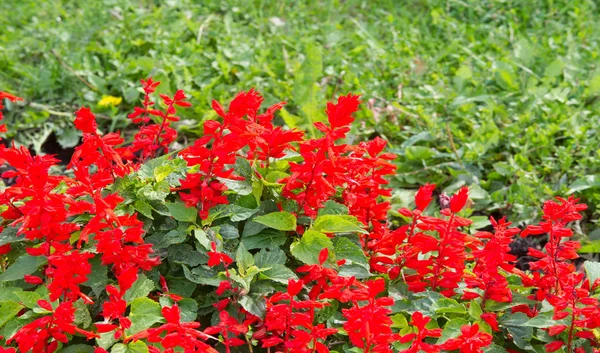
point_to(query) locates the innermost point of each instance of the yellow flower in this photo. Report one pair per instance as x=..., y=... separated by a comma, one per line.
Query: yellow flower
x=110, y=101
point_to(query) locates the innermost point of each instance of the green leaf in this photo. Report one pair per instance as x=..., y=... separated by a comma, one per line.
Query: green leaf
x=185, y=254
x=399, y=321
x=181, y=212
x=144, y=208
x=448, y=306
x=592, y=270
x=189, y=309
x=201, y=275
x=452, y=329
x=133, y=347
x=333, y=208
x=9, y=235
x=268, y=238
x=310, y=245
x=359, y=271
x=265, y=258
x=25, y=265
x=493, y=348
x=8, y=310
x=254, y=305
x=140, y=288
x=542, y=320
x=595, y=84
x=98, y=278
x=284, y=221
x=243, y=258
x=227, y=231
x=344, y=248
x=337, y=224
x=240, y=187
x=78, y=348
x=155, y=192
x=162, y=171
x=83, y=319
x=279, y=273
x=584, y=183
x=555, y=68
x=418, y=153
x=475, y=310
x=29, y=299
x=145, y=312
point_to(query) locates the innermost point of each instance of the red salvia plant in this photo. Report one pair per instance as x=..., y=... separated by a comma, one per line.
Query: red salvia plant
x=294, y=249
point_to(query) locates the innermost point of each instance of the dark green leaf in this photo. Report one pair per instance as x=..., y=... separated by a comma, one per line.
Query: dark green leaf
x=181, y=212
x=25, y=265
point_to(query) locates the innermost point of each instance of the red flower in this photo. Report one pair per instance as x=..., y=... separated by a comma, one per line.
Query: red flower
x=458, y=201
x=471, y=340
x=85, y=121
x=215, y=258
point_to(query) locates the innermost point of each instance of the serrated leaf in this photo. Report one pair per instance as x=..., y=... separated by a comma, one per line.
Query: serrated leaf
x=133, y=347
x=344, y=248
x=310, y=245
x=359, y=271
x=144, y=208
x=189, y=309
x=542, y=320
x=265, y=258
x=201, y=275
x=8, y=310
x=140, y=288
x=268, y=238
x=181, y=212
x=243, y=258
x=279, y=273
x=162, y=171
x=227, y=231
x=240, y=187
x=452, y=329
x=83, y=319
x=98, y=277
x=29, y=299
x=255, y=306
x=144, y=313
x=284, y=221
x=337, y=224
x=185, y=254
x=333, y=208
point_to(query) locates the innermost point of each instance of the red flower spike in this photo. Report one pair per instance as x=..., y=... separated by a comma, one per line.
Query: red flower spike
x=85, y=121
x=458, y=201
x=294, y=287
x=423, y=196
x=323, y=255
x=554, y=346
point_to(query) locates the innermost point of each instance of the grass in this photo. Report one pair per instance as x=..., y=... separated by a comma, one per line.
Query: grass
x=499, y=95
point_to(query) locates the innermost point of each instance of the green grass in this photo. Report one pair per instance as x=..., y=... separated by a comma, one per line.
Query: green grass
x=514, y=85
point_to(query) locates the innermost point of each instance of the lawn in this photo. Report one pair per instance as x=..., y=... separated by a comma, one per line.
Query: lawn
x=502, y=96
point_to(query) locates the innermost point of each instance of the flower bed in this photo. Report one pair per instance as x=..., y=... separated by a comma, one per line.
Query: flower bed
x=256, y=238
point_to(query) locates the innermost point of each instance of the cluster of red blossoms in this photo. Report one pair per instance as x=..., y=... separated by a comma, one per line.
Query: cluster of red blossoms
x=67, y=220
